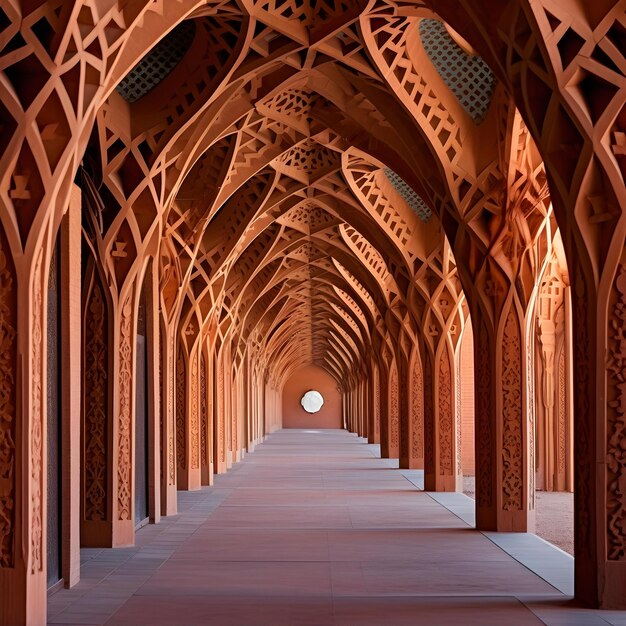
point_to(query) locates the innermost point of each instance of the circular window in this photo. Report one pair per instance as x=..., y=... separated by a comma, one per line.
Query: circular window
x=312, y=401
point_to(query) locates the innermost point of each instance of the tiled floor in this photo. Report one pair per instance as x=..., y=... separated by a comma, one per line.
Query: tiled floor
x=313, y=528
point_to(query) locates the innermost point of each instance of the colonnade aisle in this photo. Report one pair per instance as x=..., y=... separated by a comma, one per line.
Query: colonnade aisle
x=312, y=528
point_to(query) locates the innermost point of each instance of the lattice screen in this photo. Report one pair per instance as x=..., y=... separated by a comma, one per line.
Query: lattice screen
x=158, y=63
x=468, y=77
x=408, y=195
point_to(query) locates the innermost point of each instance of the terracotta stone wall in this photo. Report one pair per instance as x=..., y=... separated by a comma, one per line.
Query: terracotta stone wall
x=304, y=379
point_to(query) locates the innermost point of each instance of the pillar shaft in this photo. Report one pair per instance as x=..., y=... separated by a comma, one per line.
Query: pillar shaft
x=442, y=467
x=505, y=499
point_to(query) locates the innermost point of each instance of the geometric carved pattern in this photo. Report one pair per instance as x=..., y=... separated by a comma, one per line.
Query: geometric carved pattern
x=95, y=403
x=468, y=77
x=158, y=63
x=8, y=364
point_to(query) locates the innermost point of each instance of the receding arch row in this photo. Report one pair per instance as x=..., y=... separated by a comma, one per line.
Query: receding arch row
x=493, y=206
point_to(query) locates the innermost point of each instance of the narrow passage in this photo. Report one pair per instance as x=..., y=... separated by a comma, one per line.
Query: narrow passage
x=313, y=528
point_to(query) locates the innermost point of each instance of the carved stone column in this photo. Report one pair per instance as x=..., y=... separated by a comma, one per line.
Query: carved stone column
x=71, y=386
x=505, y=489
x=600, y=436
x=96, y=437
x=122, y=411
x=390, y=412
x=22, y=433
x=412, y=412
x=168, y=422
x=373, y=434
x=153, y=360
x=188, y=421
x=442, y=423
x=206, y=419
x=219, y=426
x=365, y=408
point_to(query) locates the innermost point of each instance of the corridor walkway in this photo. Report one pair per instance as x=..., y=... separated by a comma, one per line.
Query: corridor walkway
x=313, y=528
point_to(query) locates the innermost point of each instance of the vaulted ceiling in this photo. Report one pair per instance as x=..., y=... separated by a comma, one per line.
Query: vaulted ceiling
x=291, y=164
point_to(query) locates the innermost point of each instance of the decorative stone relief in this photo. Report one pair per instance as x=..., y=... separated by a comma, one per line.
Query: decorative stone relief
x=417, y=412
x=616, y=425
x=446, y=418
x=582, y=430
x=36, y=442
x=124, y=467
x=512, y=421
x=8, y=359
x=193, y=422
x=562, y=417
x=181, y=457
x=170, y=416
x=203, y=412
x=96, y=401
x=429, y=434
x=458, y=414
x=221, y=416
x=531, y=425
x=484, y=451
x=394, y=418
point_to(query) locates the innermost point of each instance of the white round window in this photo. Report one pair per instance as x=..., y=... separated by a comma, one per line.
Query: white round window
x=312, y=401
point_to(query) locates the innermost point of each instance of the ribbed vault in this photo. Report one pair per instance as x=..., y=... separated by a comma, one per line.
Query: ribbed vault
x=230, y=190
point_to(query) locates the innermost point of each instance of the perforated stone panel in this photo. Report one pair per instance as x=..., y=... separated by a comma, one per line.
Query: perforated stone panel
x=468, y=77
x=408, y=195
x=158, y=63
